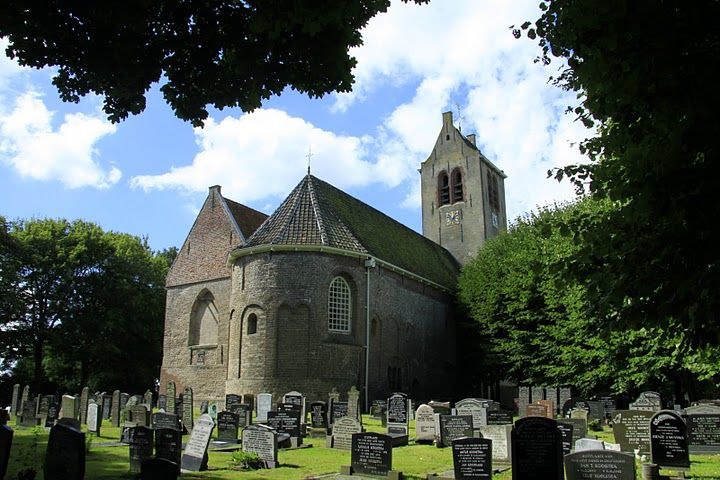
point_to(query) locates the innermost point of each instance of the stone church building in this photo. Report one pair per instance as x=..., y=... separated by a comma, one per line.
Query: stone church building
x=296, y=300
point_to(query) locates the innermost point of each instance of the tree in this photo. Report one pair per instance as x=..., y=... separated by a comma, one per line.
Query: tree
x=645, y=74
x=227, y=53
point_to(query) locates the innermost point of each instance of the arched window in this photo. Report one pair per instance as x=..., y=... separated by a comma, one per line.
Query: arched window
x=252, y=324
x=457, y=186
x=443, y=189
x=339, y=306
x=204, y=321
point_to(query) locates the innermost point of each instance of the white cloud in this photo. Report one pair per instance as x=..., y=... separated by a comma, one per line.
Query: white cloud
x=35, y=149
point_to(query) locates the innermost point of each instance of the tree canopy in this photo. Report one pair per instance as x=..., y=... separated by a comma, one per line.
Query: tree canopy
x=227, y=53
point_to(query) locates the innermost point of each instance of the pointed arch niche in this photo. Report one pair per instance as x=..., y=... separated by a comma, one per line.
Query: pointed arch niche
x=204, y=320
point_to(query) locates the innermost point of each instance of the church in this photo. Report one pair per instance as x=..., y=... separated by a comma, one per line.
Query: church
x=328, y=292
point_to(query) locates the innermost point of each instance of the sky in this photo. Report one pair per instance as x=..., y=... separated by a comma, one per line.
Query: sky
x=150, y=174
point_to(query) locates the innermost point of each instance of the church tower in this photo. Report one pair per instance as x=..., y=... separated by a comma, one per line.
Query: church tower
x=463, y=194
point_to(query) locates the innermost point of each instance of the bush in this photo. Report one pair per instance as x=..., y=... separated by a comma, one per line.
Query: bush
x=246, y=461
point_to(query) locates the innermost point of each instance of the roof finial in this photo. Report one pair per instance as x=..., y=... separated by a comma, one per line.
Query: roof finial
x=310, y=154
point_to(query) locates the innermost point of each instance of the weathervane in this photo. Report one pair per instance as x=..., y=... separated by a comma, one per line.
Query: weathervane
x=310, y=154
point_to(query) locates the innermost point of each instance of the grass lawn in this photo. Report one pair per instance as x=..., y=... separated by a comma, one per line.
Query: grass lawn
x=415, y=461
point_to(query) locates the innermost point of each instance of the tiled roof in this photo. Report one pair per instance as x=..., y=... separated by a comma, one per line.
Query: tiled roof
x=247, y=219
x=316, y=213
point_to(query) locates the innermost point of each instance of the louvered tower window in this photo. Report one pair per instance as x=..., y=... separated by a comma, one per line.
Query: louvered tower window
x=443, y=189
x=339, y=306
x=457, y=186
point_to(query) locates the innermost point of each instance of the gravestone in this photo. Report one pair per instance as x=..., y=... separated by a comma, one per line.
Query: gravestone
x=536, y=410
x=204, y=407
x=596, y=410
x=579, y=428
x=354, y=403
x=244, y=412
x=318, y=415
x=566, y=432
x=443, y=408
x=194, y=457
x=94, y=418
x=115, y=409
x=537, y=393
x=499, y=417
x=523, y=400
x=296, y=398
x=608, y=406
x=6, y=437
x=703, y=424
x=500, y=436
x=472, y=458
x=171, y=394
x=342, y=431
x=168, y=445
x=371, y=454
x=589, y=444
x=132, y=400
x=227, y=423
x=648, y=402
x=564, y=394
x=15, y=401
x=338, y=410
x=261, y=440
x=285, y=422
x=69, y=422
x=232, y=401
x=669, y=440
x=44, y=404
x=25, y=397
x=148, y=399
x=550, y=407
x=67, y=407
x=377, y=408
x=264, y=405
x=107, y=406
x=474, y=408
x=213, y=409
x=631, y=429
x=574, y=404
x=453, y=427
x=84, y=396
x=162, y=402
x=52, y=415
x=553, y=395
x=580, y=413
x=124, y=399
x=65, y=454
x=424, y=424
x=139, y=415
x=536, y=449
x=141, y=447
x=599, y=465
x=187, y=409
x=166, y=421
x=398, y=418
x=158, y=469
x=27, y=415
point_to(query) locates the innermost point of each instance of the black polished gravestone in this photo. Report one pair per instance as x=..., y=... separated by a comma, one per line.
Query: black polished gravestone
x=631, y=429
x=6, y=437
x=194, y=457
x=536, y=450
x=166, y=420
x=398, y=418
x=669, y=440
x=338, y=410
x=158, y=469
x=168, y=445
x=141, y=447
x=227, y=426
x=285, y=422
x=566, y=430
x=453, y=427
x=371, y=454
x=232, y=401
x=703, y=424
x=318, y=415
x=499, y=417
x=65, y=454
x=472, y=458
x=599, y=465
x=52, y=415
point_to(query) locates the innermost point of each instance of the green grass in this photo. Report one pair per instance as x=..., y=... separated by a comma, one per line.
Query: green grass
x=415, y=461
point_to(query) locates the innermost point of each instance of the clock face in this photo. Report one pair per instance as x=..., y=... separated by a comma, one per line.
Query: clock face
x=452, y=217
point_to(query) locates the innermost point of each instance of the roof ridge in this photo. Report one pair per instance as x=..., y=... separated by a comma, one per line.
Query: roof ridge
x=318, y=218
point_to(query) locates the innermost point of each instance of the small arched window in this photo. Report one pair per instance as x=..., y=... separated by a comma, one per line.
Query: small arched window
x=457, y=186
x=252, y=324
x=443, y=189
x=339, y=306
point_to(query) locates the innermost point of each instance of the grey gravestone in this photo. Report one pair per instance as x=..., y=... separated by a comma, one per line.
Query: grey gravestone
x=106, y=402
x=499, y=417
x=703, y=423
x=195, y=455
x=589, y=444
x=536, y=449
x=84, y=398
x=453, y=427
x=632, y=430
x=27, y=415
x=398, y=418
x=94, y=418
x=564, y=394
x=552, y=394
x=232, y=401
x=166, y=420
x=148, y=399
x=244, y=412
x=600, y=465
x=25, y=397
x=538, y=393
x=342, y=432
x=115, y=409
x=187, y=408
x=523, y=400
x=608, y=406
x=168, y=445
x=443, y=408
x=6, y=437
x=67, y=407
x=474, y=408
x=354, y=403
x=296, y=398
x=500, y=436
x=264, y=405
x=424, y=424
x=204, y=406
x=15, y=402
x=158, y=469
x=140, y=415
x=338, y=410
x=141, y=447
x=124, y=399
x=597, y=410
x=566, y=432
x=377, y=408
x=579, y=428
x=371, y=454
x=65, y=454
x=472, y=458
x=647, y=401
x=669, y=440
x=162, y=402
x=213, y=410
x=318, y=415
x=52, y=415
x=574, y=404
x=285, y=422
x=227, y=424
x=171, y=394
x=261, y=440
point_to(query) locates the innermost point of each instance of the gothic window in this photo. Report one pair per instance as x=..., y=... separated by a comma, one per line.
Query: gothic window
x=252, y=324
x=457, y=186
x=339, y=306
x=204, y=321
x=443, y=189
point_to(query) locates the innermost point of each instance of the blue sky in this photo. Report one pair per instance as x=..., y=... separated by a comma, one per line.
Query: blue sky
x=149, y=174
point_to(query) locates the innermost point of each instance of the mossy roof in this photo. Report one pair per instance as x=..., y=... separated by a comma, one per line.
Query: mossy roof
x=316, y=213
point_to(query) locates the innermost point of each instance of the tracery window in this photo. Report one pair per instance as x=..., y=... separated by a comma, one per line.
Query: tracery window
x=339, y=306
